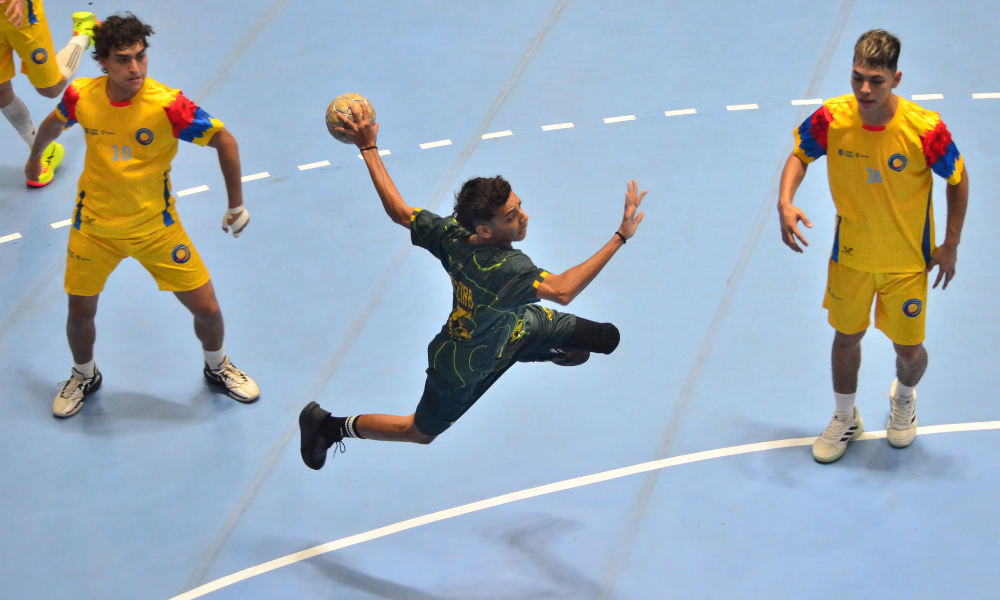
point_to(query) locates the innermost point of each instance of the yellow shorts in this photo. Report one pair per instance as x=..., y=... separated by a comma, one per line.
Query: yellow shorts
x=899, y=307
x=168, y=255
x=33, y=43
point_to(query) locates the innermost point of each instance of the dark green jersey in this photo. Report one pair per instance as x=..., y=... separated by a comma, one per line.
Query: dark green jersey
x=492, y=285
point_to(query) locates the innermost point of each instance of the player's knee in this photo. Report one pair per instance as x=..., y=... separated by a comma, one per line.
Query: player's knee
x=845, y=341
x=50, y=92
x=909, y=354
x=82, y=312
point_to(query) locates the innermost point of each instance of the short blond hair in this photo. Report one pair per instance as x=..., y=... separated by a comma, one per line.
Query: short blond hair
x=878, y=49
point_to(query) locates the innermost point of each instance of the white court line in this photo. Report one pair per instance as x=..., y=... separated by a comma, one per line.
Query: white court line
x=315, y=165
x=986, y=96
x=742, y=107
x=541, y=491
x=559, y=126
x=497, y=134
x=59, y=224
x=10, y=238
x=380, y=153
x=807, y=102
x=255, y=177
x=435, y=144
x=927, y=97
x=189, y=191
x=620, y=119
x=683, y=111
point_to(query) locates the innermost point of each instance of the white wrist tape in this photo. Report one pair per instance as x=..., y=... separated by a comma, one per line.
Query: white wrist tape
x=240, y=221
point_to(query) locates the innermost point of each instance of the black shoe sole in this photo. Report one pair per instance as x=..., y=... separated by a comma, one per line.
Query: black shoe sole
x=309, y=419
x=573, y=358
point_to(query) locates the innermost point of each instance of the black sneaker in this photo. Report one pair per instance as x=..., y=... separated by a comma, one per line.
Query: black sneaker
x=314, y=443
x=564, y=358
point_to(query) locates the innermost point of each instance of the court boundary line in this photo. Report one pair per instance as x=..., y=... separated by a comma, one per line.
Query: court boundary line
x=544, y=490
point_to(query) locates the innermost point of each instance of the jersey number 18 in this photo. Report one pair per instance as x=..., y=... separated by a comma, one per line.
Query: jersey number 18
x=873, y=175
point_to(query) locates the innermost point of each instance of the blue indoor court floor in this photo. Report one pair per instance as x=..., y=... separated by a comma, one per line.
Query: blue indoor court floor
x=678, y=467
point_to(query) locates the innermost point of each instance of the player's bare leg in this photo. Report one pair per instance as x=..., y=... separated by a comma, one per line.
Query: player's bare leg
x=210, y=329
x=391, y=428
x=911, y=362
x=320, y=431
x=85, y=378
x=846, y=424
x=845, y=357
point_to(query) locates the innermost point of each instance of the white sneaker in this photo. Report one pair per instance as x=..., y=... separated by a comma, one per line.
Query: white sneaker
x=74, y=391
x=902, y=427
x=833, y=443
x=238, y=384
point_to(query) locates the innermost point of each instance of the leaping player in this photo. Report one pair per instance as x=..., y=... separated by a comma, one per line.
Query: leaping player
x=25, y=30
x=881, y=150
x=494, y=321
x=124, y=204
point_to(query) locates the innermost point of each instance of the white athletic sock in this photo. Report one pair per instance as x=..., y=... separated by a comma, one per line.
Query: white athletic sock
x=69, y=57
x=845, y=403
x=904, y=391
x=18, y=115
x=87, y=369
x=215, y=359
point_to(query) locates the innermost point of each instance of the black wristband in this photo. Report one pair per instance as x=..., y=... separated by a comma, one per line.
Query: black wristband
x=370, y=148
x=619, y=234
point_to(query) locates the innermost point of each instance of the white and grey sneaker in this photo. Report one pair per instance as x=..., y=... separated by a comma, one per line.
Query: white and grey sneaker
x=902, y=427
x=238, y=384
x=833, y=443
x=74, y=391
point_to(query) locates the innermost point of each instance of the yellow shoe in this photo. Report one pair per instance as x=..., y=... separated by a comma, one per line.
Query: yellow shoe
x=83, y=24
x=50, y=160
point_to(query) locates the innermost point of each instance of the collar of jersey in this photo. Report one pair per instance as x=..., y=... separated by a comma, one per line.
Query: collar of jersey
x=866, y=127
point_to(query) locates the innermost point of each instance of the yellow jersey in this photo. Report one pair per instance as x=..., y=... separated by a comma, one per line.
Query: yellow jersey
x=33, y=13
x=880, y=179
x=125, y=191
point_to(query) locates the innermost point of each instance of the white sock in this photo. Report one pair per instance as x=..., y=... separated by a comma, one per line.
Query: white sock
x=904, y=391
x=18, y=115
x=69, y=57
x=845, y=403
x=86, y=369
x=214, y=359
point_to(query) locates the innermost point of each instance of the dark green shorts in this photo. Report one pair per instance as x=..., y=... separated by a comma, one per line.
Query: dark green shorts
x=460, y=373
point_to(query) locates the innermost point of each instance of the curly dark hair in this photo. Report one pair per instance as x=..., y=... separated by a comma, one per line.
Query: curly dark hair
x=119, y=31
x=478, y=200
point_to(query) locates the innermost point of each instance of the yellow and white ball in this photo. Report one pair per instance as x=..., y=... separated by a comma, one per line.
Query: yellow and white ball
x=338, y=112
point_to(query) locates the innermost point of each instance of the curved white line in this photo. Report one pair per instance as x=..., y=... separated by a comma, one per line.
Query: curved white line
x=541, y=491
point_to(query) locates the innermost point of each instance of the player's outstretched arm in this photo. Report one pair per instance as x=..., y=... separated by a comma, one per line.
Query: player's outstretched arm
x=237, y=216
x=365, y=135
x=789, y=215
x=566, y=286
x=946, y=255
x=48, y=132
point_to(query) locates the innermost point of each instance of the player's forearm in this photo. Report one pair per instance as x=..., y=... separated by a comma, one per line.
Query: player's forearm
x=48, y=132
x=229, y=163
x=392, y=201
x=958, y=202
x=791, y=177
x=566, y=286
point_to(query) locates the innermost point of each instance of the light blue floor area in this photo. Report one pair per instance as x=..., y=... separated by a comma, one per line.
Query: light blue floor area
x=160, y=485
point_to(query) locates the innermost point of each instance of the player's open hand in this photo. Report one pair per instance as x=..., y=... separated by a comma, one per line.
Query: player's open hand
x=14, y=12
x=33, y=169
x=361, y=130
x=944, y=257
x=790, y=216
x=631, y=220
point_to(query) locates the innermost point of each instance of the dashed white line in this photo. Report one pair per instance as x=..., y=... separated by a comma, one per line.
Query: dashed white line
x=429, y=145
x=255, y=177
x=189, y=191
x=620, y=119
x=380, y=153
x=497, y=134
x=986, y=96
x=742, y=107
x=315, y=165
x=683, y=111
x=567, y=484
x=808, y=102
x=927, y=97
x=559, y=126
x=59, y=224
x=10, y=238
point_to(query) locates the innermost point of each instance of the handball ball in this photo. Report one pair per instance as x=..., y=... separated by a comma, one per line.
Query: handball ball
x=338, y=112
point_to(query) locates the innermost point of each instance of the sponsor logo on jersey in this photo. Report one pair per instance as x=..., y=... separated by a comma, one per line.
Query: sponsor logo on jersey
x=897, y=162
x=144, y=136
x=912, y=307
x=39, y=56
x=181, y=254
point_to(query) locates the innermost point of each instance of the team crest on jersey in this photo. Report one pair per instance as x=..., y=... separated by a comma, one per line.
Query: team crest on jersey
x=912, y=307
x=144, y=136
x=181, y=254
x=39, y=56
x=897, y=162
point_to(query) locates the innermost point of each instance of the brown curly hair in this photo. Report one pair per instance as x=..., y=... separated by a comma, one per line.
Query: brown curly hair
x=119, y=31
